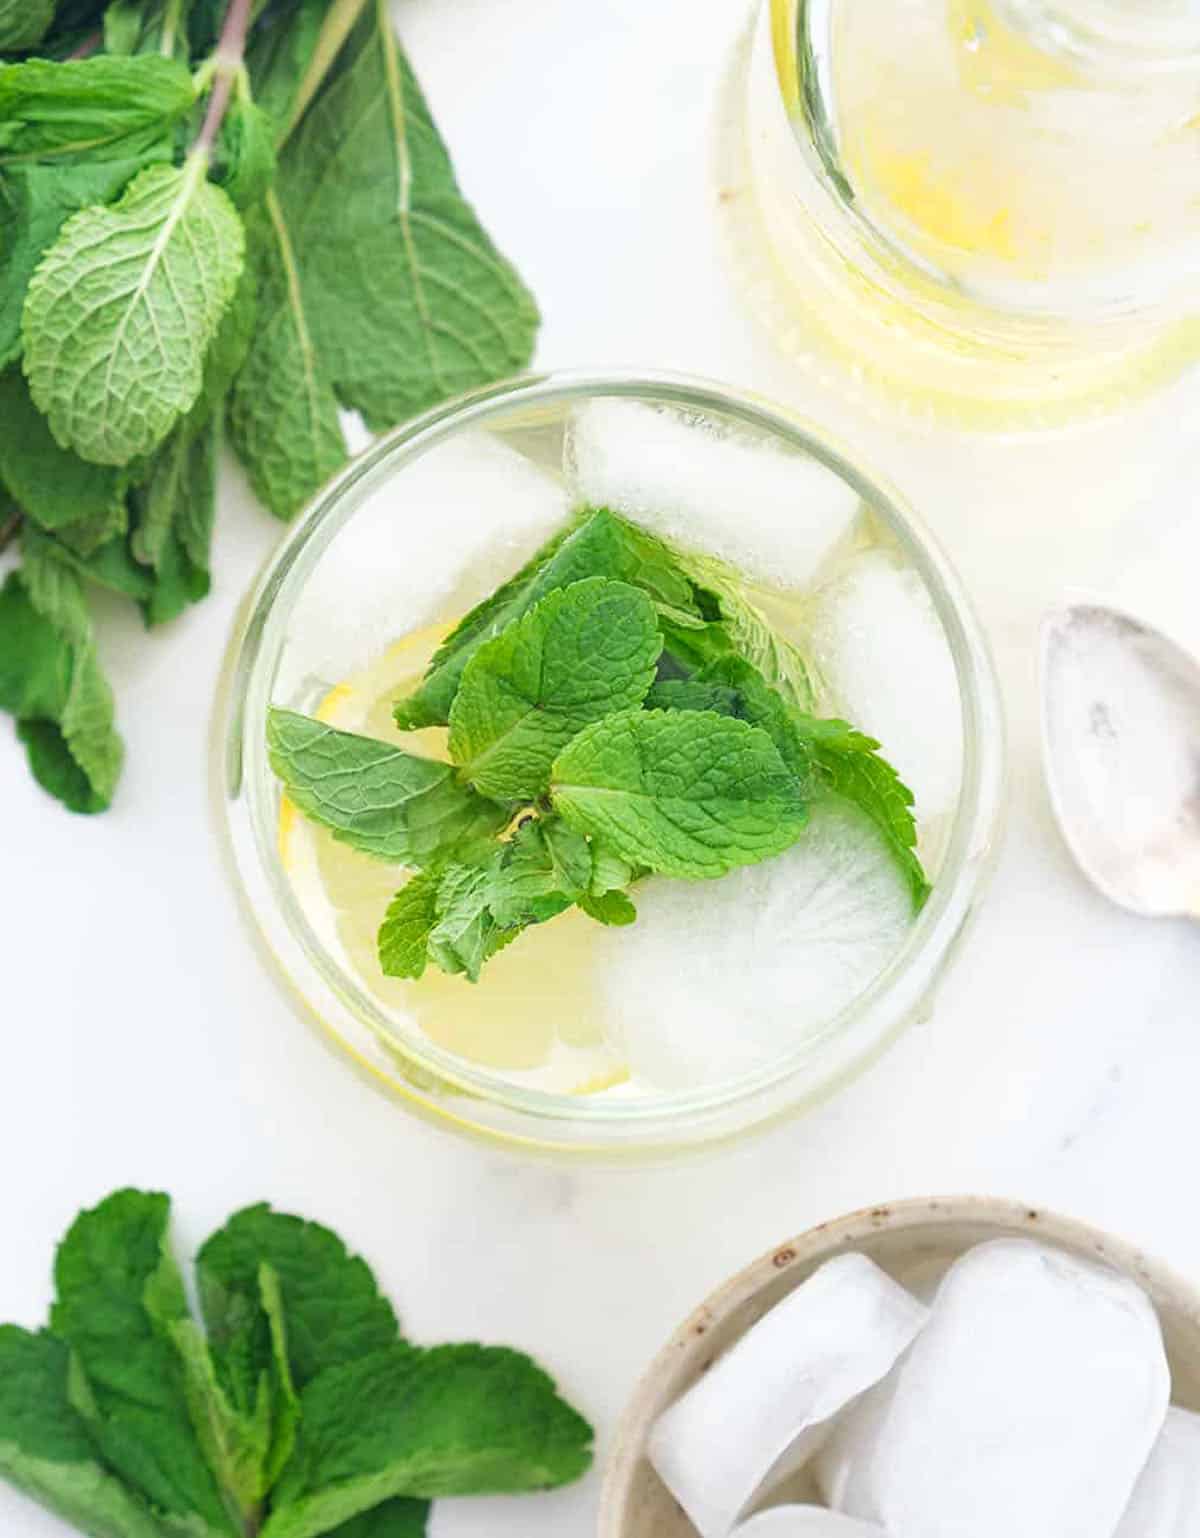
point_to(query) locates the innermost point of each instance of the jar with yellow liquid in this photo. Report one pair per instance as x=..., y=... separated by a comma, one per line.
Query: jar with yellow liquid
x=990, y=208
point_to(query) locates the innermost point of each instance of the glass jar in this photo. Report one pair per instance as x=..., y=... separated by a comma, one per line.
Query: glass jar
x=990, y=208
x=290, y=650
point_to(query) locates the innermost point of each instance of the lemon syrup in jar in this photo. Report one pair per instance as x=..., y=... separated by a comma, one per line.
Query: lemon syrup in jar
x=987, y=207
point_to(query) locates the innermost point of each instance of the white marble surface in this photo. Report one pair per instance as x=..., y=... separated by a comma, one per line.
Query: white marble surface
x=144, y=1044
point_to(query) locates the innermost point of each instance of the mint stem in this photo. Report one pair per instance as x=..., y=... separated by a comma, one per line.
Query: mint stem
x=231, y=49
x=8, y=530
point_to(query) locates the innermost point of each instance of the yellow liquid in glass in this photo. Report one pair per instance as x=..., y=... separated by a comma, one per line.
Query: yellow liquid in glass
x=536, y=1011
x=970, y=214
x=1010, y=168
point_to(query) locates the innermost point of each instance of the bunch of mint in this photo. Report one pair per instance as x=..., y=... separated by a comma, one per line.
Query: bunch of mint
x=297, y=1410
x=214, y=214
x=617, y=708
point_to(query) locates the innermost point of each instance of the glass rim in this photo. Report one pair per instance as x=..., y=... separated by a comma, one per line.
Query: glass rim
x=253, y=660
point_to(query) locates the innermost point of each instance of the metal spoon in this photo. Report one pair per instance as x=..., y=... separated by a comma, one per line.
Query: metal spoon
x=1121, y=743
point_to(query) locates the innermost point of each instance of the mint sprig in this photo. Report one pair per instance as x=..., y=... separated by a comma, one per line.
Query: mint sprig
x=598, y=545
x=297, y=1411
x=217, y=213
x=608, y=720
x=579, y=655
x=376, y=797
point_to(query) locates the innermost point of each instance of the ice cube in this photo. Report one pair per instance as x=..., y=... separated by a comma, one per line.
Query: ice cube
x=805, y=1522
x=1028, y=1405
x=1166, y=1499
x=773, y=513
x=883, y=654
x=448, y=529
x=718, y=977
x=757, y=1415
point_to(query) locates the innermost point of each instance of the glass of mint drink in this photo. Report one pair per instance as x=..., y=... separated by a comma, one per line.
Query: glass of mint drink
x=609, y=764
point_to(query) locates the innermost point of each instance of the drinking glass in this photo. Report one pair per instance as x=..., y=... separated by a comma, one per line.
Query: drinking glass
x=393, y=514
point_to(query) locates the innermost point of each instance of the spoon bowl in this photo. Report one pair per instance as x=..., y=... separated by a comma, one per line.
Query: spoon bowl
x=1121, y=745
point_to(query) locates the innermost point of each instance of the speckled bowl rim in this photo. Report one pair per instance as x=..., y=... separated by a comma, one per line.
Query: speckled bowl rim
x=659, y=1384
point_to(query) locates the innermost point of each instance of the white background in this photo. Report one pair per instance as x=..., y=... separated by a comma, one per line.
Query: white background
x=143, y=1043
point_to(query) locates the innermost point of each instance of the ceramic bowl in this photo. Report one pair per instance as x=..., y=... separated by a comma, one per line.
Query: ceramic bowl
x=914, y=1241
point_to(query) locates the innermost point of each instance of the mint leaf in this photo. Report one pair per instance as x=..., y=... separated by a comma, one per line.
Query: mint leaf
x=77, y=754
x=545, y=868
x=694, y=694
x=284, y=412
x=174, y=510
x=611, y=908
x=236, y=1446
x=376, y=797
x=280, y=55
x=381, y=291
x=101, y=107
x=687, y=794
x=227, y=354
x=122, y=309
x=580, y=654
x=460, y=916
x=404, y=933
x=430, y=704
x=45, y=1449
x=54, y=687
x=465, y=933
x=285, y=1400
x=110, y=566
x=332, y=1306
x=610, y=873
x=36, y=660
x=24, y=23
x=55, y=592
x=119, y=1296
x=54, y=487
x=752, y=699
x=824, y=755
x=602, y=545
x=391, y=248
x=456, y=1420
x=400, y=1518
x=175, y=502
x=36, y=200
x=244, y=163
x=849, y=763
x=738, y=626
x=119, y=115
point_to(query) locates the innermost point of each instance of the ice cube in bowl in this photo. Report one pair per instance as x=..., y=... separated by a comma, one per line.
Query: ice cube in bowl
x=1166, y=1499
x=910, y=1241
x=1029, y=1404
